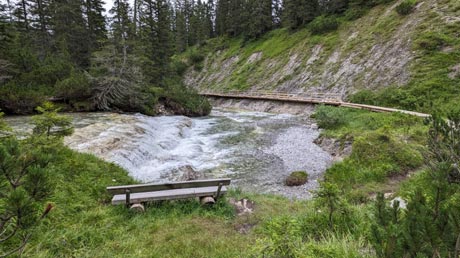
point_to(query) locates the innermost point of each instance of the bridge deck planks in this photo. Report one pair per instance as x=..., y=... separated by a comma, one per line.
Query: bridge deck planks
x=315, y=98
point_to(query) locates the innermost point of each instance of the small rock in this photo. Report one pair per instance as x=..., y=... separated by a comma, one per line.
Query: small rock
x=188, y=173
x=243, y=206
x=402, y=202
x=387, y=195
x=244, y=228
x=455, y=72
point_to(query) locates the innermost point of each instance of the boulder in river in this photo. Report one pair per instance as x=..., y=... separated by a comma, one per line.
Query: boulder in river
x=297, y=178
x=189, y=174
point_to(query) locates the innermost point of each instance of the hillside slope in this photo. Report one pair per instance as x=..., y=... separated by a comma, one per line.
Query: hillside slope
x=415, y=59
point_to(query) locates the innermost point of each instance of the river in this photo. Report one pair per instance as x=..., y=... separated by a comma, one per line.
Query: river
x=257, y=150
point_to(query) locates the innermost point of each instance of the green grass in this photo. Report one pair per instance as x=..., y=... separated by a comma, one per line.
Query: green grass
x=385, y=147
x=84, y=224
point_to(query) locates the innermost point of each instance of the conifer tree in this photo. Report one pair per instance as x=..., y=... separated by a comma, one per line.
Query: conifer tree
x=260, y=18
x=298, y=13
x=96, y=24
x=70, y=31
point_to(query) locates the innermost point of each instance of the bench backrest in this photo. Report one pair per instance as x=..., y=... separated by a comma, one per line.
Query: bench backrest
x=166, y=186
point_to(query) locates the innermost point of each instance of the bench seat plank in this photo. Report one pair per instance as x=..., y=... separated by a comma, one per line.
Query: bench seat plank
x=167, y=195
x=114, y=190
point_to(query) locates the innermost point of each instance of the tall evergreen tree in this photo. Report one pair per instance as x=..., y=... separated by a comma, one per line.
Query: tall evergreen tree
x=298, y=13
x=70, y=31
x=260, y=18
x=222, y=16
x=156, y=38
x=96, y=24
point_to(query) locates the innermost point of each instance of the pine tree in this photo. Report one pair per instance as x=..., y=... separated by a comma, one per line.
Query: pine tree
x=96, y=24
x=222, y=16
x=117, y=81
x=334, y=6
x=260, y=18
x=156, y=38
x=24, y=187
x=180, y=25
x=70, y=31
x=298, y=13
x=21, y=13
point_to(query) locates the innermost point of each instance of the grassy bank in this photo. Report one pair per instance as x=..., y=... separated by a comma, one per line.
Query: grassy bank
x=386, y=148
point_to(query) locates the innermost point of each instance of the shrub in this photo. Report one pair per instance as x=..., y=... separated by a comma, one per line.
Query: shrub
x=195, y=57
x=354, y=13
x=329, y=117
x=431, y=41
x=363, y=97
x=283, y=238
x=185, y=101
x=406, y=7
x=179, y=67
x=297, y=178
x=323, y=24
x=75, y=87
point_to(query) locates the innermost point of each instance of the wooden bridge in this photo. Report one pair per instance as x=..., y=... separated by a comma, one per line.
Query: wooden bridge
x=307, y=98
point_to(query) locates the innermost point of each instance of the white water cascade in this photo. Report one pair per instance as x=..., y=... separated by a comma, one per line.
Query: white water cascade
x=258, y=150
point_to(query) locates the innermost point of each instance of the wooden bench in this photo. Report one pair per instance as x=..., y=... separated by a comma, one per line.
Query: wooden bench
x=135, y=195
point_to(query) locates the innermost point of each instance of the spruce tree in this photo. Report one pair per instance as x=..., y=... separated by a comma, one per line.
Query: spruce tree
x=298, y=13
x=96, y=24
x=70, y=31
x=260, y=18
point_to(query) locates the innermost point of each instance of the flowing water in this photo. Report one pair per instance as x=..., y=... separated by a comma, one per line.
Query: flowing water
x=257, y=150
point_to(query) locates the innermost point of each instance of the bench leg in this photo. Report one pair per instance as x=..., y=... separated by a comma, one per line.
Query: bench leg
x=218, y=191
x=128, y=198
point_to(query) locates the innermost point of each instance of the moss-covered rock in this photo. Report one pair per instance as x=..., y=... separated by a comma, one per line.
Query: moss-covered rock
x=297, y=178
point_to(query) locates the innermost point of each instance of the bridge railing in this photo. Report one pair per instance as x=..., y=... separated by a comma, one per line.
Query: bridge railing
x=318, y=97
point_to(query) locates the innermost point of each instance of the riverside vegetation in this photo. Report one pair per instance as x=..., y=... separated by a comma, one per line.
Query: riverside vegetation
x=53, y=201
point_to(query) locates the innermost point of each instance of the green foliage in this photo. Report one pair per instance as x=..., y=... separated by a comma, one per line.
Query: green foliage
x=427, y=227
x=323, y=24
x=4, y=128
x=406, y=7
x=184, y=101
x=329, y=197
x=49, y=123
x=386, y=228
x=75, y=87
x=179, y=67
x=25, y=185
x=329, y=117
x=432, y=41
x=195, y=57
x=383, y=146
x=283, y=239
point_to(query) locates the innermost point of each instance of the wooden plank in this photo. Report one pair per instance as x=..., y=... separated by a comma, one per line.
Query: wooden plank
x=168, y=195
x=166, y=186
